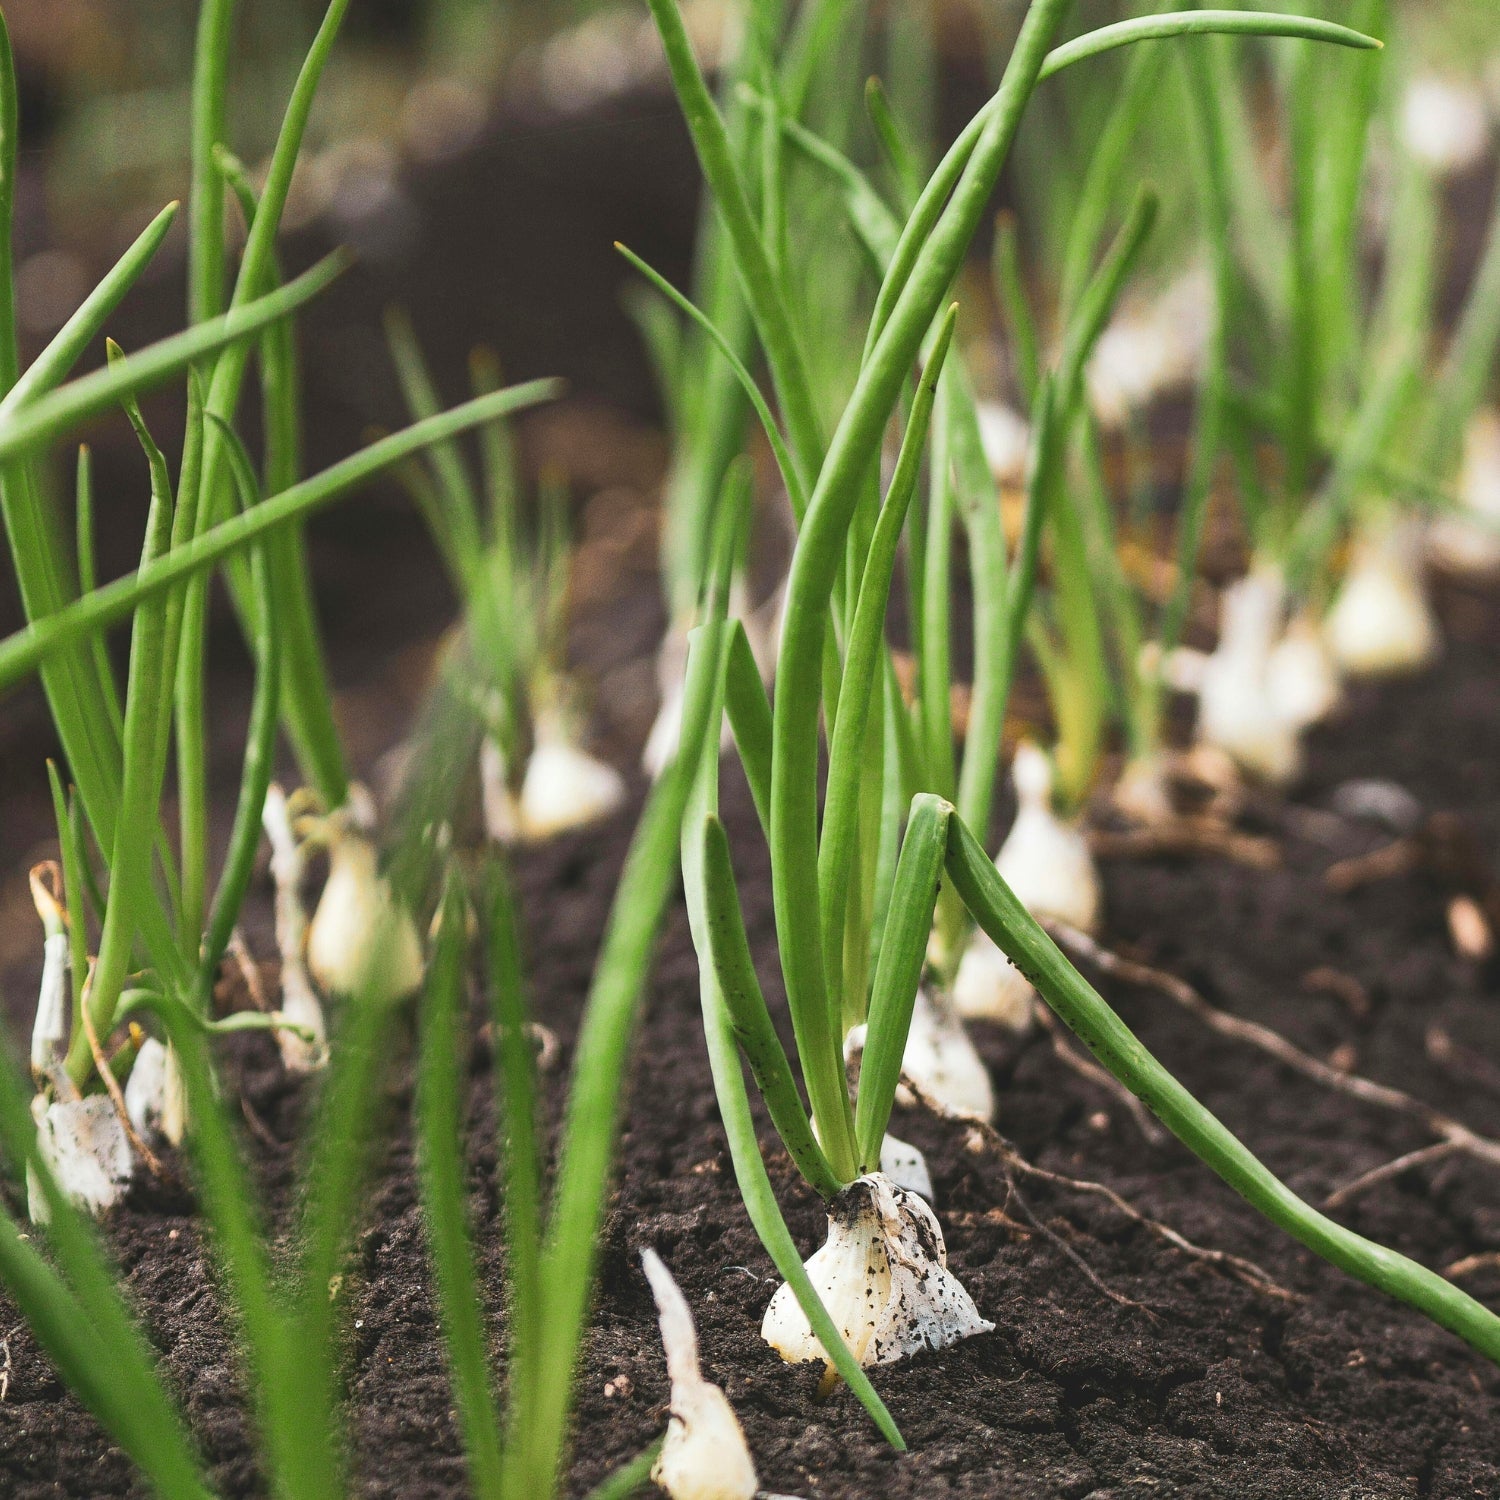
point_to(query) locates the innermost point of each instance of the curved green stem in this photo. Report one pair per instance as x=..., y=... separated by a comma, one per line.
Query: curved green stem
x=1087, y=1014
x=1202, y=23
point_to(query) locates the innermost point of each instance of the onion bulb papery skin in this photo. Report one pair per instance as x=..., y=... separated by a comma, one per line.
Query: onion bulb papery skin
x=49, y=1031
x=84, y=1144
x=883, y=1276
x=1045, y=859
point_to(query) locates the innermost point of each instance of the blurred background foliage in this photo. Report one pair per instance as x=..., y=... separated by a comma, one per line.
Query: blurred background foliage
x=106, y=81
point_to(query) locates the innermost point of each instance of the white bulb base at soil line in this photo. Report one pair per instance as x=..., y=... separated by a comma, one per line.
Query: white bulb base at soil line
x=1301, y=674
x=1047, y=863
x=942, y=1062
x=564, y=788
x=84, y=1145
x=362, y=941
x=1381, y=623
x=1238, y=712
x=883, y=1276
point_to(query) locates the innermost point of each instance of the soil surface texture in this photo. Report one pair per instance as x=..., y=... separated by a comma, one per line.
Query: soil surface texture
x=1118, y=1365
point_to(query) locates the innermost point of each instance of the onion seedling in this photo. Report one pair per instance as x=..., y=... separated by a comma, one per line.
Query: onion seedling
x=289, y=1324
x=536, y=778
x=551, y=1250
x=706, y=414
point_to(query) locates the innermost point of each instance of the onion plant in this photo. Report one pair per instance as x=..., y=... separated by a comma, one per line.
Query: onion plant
x=1103, y=634
x=783, y=70
x=520, y=1448
x=512, y=582
x=832, y=670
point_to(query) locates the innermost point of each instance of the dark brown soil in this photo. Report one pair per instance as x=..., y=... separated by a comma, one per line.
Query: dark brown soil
x=1206, y=1389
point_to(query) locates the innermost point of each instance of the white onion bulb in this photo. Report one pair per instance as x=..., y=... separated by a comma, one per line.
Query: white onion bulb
x=941, y=1061
x=363, y=941
x=883, y=1275
x=1301, y=675
x=1237, y=710
x=84, y=1144
x=1046, y=862
x=1381, y=622
x=565, y=787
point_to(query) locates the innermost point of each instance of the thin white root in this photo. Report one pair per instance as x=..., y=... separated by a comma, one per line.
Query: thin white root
x=1080, y=946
